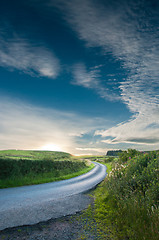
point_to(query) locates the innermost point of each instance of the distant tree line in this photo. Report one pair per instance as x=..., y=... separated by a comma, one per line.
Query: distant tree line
x=133, y=152
x=113, y=153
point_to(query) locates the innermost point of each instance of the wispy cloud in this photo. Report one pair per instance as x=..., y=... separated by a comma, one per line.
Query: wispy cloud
x=130, y=33
x=124, y=29
x=92, y=150
x=91, y=79
x=139, y=130
x=84, y=78
x=19, y=53
x=25, y=126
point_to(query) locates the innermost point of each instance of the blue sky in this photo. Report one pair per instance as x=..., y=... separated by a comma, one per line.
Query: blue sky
x=81, y=76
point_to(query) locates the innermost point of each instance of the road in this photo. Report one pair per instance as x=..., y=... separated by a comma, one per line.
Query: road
x=32, y=204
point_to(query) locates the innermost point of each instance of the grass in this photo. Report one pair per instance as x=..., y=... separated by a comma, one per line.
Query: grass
x=19, y=168
x=99, y=158
x=126, y=203
x=94, y=222
x=41, y=178
x=33, y=155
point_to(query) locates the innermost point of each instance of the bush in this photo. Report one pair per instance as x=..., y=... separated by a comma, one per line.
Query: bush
x=109, y=159
x=134, y=186
x=13, y=168
x=126, y=155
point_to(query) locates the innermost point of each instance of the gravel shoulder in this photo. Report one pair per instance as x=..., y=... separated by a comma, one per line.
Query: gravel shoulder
x=58, y=229
x=81, y=225
x=72, y=227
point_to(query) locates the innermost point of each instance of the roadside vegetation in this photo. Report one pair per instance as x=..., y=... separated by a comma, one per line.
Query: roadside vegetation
x=126, y=203
x=19, y=168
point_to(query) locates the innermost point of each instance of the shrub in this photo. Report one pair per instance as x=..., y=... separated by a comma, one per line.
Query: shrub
x=13, y=168
x=127, y=155
x=109, y=159
x=134, y=186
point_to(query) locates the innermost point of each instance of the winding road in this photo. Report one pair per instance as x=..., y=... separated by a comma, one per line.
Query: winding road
x=32, y=204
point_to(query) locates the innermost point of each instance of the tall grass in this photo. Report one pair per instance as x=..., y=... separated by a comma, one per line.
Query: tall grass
x=127, y=202
x=134, y=186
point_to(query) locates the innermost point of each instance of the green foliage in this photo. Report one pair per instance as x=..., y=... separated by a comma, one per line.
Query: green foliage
x=98, y=217
x=109, y=159
x=33, y=155
x=11, y=168
x=114, y=153
x=49, y=166
x=127, y=202
x=101, y=159
x=135, y=188
x=124, y=156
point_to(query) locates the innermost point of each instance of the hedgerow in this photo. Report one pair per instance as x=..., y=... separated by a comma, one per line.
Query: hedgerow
x=12, y=168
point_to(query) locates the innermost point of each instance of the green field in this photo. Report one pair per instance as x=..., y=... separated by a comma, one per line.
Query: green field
x=100, y=158
x=33, y=155
x=19, y=168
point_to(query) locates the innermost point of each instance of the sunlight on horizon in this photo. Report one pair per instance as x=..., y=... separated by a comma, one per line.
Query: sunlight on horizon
x=51, y=147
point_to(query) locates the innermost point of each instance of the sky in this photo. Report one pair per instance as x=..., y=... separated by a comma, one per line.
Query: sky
x=80, y=76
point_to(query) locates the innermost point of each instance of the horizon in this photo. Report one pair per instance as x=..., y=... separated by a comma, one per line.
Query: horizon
x=76, y=155
x=79, y=76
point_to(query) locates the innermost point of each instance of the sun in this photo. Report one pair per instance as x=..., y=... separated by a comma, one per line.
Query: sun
x=51, y=147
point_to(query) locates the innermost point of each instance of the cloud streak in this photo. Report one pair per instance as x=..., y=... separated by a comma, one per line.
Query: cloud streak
x=18, y=53
x=84, y=78
x=91, y=79
x=136, y=131
x=130, y=35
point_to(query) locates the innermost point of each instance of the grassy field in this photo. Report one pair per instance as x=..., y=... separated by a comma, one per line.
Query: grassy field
x=126, y=203
x=99, y=158
x=19, y=168
x=33, y=155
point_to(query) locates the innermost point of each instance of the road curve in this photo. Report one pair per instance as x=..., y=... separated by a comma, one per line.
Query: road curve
x=32, y=204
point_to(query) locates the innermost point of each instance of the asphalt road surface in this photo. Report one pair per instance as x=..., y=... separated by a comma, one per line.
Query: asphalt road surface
x=32, y=204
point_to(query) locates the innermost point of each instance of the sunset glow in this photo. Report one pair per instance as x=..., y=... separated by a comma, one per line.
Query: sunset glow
x=51, y=147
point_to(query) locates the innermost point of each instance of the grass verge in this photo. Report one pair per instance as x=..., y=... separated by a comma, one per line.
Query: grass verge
x=126, y=203
x=41, y=178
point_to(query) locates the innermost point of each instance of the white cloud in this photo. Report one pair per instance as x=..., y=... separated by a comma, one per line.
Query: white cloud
x=25, y=126
x=125, y=30
x=84, y=78
x=19, y=53
x=91, y=79
x=143, y=130
x=92, y=150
